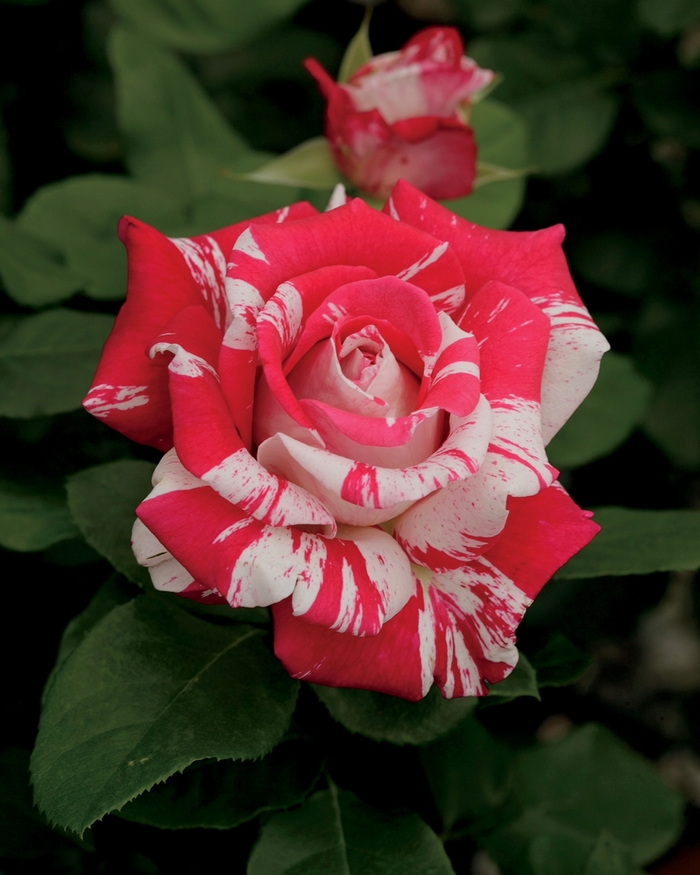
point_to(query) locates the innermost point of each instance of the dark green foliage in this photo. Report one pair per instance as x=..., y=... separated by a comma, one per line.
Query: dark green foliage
x=170, y=725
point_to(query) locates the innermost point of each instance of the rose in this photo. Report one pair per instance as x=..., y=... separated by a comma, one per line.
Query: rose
x=354, y=407
x=402, y=116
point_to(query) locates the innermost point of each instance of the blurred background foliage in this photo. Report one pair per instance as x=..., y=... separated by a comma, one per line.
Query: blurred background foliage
x=135, y=106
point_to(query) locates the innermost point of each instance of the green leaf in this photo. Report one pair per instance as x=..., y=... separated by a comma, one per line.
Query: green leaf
x=78, y=218
x=334, y=833
x=501, y=140
x=619, y=262
x=638, y=542
x=102, y=501
x=672, y=418
x=522, y=681
x=5, y=172
x=560, y=662
x=176, y=139
x=614, y=408
x=225, y=794
x=469, y=773
x=150, y=690
x=32, y=519
x=568, y=124
x=668, y=17
x=388, y=718
x=309, y=165
x=610, y=857
x=359, y=50
x=571, y=790
x=33, y=273
x=203, y=25
x=48, y=360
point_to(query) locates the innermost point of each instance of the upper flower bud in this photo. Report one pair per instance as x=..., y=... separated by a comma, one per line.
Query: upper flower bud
x=401, y=116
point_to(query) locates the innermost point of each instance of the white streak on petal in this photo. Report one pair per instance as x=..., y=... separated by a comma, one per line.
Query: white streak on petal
x=424, y=262
x=247, y=244
x=338, y=198
x=104, y=398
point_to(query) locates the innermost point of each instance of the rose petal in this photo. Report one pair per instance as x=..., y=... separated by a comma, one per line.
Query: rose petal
x=130, y=391
x=460, y=522
x=533, y=262
x=206, y=437
x=357, y=493
x=458, y=628
x=352, y=583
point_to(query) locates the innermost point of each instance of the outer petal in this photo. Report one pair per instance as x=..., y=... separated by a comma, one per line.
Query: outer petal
x=205, y=435
x=458, y=628
x=352, y=584
x=532, y=261
x=460, y=522
x=129, y=390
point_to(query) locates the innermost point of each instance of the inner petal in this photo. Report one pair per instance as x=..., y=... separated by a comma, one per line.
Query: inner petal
x=358, y=373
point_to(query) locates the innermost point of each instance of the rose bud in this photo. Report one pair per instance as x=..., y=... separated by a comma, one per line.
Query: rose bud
x=354, y=408
x=403, y=116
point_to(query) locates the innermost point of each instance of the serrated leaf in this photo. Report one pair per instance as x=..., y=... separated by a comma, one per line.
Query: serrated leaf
x=614, y=408
x=78, y=218
x=176, y=138
x=569, y=791
x=501, y=140
x=522, y=681
x=638, y=542
x=225, y=794
x=469, y=773
x=204, y=25
x=334, y=833
x=150, y=690
x=359, y=50
x=33, y=519
x=102, y=501
x=669, y=16
x=309, y=165
x=388, y=718
x=48, y=360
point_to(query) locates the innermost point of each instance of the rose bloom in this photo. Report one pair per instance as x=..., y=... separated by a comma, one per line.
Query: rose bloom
x=354, y=407
x=402, y=116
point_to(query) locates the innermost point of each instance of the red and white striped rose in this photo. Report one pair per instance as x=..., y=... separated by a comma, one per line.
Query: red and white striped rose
x=354, y=407
x=402, y=116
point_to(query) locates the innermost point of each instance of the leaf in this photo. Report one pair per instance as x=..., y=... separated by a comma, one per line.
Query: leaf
x=610, y=857
x=334, y=833
x=672, y=418
x=102, y=501
x=388, y=718
x=614, y=408
x=33, y=273
x=309, y=165
x=225, y=794
x=522, y=681
x=48, y=360
x=5, y=171
x=638, y=542
x=668, y=17
x=150, y=690
x=359, y=50
x=32, y=519
x=571, y=790
x=203, y=25
x=469, y=773
x=560, y=662
x=78, y=218
x=568, y=124
x=501, y=141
